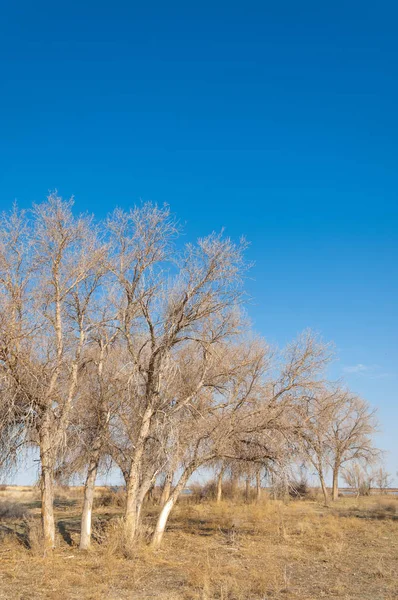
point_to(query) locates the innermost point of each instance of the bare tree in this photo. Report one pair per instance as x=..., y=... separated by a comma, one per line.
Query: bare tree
x=315, y=417
x=351, y=432
x=247, y=418
x=207, y=422
x=60, y=259
x=99, y=402
x=160, y=312
x=358, y=477
x=382, y=479
x=16, y=307
x=116, y=344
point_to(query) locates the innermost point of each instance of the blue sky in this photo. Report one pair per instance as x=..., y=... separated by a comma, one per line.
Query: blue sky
x=274, y=120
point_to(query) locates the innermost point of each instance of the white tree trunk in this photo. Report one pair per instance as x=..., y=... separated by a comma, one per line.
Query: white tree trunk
x=86, y=521
x=162, y=522
x=167, y=508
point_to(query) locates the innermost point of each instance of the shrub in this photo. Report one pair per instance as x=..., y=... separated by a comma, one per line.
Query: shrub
x=115, y=498
x=12, y=510
x=299, y=489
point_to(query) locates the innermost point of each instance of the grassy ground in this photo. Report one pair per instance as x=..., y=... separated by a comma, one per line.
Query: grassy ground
x=299, y=550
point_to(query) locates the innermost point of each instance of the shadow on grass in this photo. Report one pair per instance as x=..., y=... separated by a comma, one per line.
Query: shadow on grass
x=369, y=515
x=32, y=505
x=21, y=534
x=70, y=527
x=206, y=528
x=64, y=503
x=65, y=532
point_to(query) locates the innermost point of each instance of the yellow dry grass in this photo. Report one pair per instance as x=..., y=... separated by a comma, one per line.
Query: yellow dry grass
x=299, y=550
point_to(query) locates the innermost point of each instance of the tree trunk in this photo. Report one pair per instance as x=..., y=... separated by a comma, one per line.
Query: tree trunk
x=85, y=530
x=167, y=508
x=140, y=502
x=335, y=493
x=247, y=489
x=166, y=489
x=143, y=492
x=47, y=507
x=324, y=489
x=47, y=488
x=133, y=482
x=150, y=493
x=219, y=486
x=89, y=488
x=131, y=505
x=234, y=485
x=258, y=486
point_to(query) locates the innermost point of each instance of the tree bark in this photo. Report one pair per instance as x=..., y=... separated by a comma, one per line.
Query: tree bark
x=166, y=489
x=47, y=489
x=324, y=489
x=335, y=492
x=143, y=492
x=89, y=488
x=131, y=504
x=133, y=482
x=219, y=486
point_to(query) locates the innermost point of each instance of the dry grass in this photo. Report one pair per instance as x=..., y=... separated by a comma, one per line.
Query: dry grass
x=298, y=550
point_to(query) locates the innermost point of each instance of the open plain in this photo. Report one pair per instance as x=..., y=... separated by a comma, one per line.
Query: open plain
x=231, y=551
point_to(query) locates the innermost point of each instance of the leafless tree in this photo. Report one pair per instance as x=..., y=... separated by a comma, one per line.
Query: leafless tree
x=49, y=274
x=247, y=418
x=161, y=311
x=382, y=479
x=99, y=402
x=316, y=414
x=207, y=422
x=351, y=434
x=119, y=343
x=358, y=477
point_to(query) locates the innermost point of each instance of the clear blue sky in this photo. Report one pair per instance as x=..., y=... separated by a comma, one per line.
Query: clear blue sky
x=276, y=120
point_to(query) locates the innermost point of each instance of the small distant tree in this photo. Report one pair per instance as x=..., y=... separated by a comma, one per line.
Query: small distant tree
x=315, y=417
x=351, y=435
x=382, y=479
x=358, y=478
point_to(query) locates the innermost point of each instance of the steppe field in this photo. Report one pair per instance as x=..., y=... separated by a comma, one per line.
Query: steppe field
x=297, y=549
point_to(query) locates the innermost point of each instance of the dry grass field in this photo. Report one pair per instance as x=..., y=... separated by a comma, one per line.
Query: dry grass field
x=295, y=550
